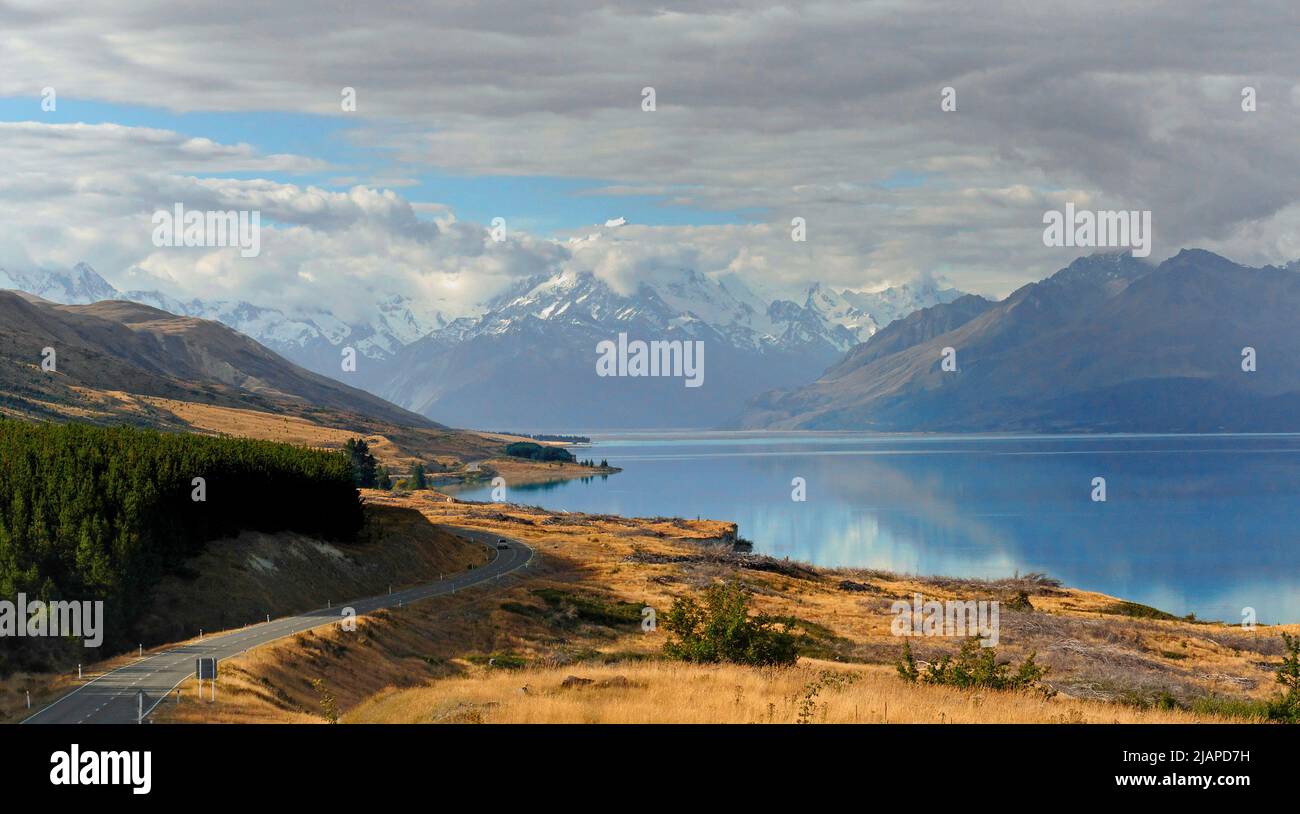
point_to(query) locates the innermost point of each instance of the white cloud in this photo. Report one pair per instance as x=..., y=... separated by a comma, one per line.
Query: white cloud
x=774, y=109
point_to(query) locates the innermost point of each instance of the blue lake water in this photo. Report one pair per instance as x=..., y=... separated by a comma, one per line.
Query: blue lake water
x=1205, y=524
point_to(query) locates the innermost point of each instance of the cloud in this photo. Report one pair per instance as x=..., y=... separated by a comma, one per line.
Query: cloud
x=771, y=109
x=91, y=194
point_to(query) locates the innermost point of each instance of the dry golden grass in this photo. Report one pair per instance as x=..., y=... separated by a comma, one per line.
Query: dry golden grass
x=669, y=693
x=429, y=661
x=398, y=647
x=397, y=448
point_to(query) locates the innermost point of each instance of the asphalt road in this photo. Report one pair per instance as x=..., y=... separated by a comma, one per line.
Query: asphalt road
x=113, y=698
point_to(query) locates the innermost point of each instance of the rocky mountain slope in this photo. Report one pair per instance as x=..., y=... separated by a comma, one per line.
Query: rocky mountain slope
x=1108, y=343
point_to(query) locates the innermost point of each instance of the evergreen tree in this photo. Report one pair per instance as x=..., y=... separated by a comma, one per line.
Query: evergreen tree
x=103, y=513
x=363, y=463
x=417, y=479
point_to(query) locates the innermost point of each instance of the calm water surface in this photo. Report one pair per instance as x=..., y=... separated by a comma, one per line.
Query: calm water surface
x=1206, y=524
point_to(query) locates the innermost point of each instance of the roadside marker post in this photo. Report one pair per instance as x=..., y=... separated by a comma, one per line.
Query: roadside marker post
x=29, y=699
x=139, y=715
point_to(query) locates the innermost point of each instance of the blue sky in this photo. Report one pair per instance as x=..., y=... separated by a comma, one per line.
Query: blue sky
x=541, y=205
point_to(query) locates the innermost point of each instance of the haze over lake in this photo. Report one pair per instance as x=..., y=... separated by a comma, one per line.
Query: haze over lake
x=1204, y=524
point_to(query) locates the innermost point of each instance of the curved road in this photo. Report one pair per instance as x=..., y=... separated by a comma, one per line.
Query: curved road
x=113, y=698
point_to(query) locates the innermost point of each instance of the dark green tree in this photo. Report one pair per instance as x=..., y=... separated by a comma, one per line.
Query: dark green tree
x=364, y=465
x=102, y=513
x=417, y=480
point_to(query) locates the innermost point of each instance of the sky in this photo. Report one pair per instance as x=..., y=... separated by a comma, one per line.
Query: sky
x=533, y=112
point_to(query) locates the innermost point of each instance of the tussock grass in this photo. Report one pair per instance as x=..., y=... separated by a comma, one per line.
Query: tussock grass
x=669, y=692
x=429, y=662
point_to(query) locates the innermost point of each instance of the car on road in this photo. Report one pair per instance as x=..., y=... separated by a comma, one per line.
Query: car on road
x=501, y=543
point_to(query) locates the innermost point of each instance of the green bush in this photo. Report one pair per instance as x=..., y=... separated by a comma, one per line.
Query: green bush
x=720, y=629
x=973, y=667
x=1286, y=707
x=101, y=513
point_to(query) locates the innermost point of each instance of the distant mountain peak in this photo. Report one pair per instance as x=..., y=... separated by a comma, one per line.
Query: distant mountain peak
x=1108, y=343
x=79, y=285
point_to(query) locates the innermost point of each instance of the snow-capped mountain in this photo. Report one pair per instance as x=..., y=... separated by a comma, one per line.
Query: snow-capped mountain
x=896, y=302
x=541, y=336
x=80, y=285
x=312, y=340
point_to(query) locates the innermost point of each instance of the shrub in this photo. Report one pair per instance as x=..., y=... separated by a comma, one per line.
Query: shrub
x=721, y=629
x=329, y=708
x=1286, y=707
x=1021, y=603
x=973, y=667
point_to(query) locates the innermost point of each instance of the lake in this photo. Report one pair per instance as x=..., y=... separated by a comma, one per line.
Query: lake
x=1204, y=524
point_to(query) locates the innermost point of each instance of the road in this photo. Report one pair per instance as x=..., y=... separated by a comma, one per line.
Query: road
x=113, y=698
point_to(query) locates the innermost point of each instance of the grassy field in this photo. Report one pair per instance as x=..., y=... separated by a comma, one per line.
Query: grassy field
x=668, y=692
x=503, y=653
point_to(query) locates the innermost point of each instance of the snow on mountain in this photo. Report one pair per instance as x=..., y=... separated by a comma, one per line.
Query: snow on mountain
x=883, y=307
x=80, y=285
x=309, y=338
x=450, y=369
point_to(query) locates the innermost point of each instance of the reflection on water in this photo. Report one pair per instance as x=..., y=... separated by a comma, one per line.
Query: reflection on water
x=1191, y=524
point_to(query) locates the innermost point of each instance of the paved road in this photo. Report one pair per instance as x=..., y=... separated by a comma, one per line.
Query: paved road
x=113, y=698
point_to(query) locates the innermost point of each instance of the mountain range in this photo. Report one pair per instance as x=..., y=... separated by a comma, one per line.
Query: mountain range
x=540, y=336
x=1109, y=343
x=58, y=360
